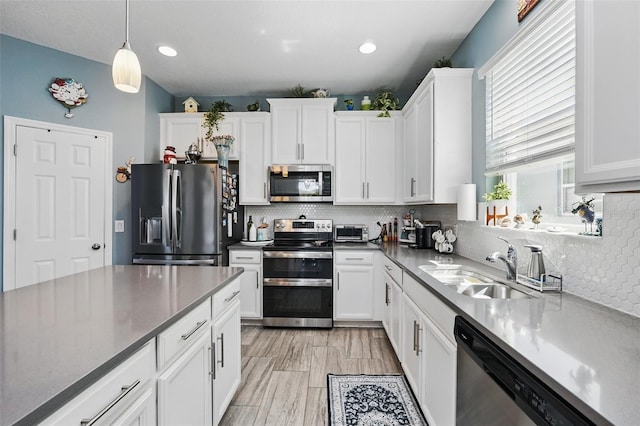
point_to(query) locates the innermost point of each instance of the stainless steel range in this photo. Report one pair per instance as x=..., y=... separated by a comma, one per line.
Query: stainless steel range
x=298, y=274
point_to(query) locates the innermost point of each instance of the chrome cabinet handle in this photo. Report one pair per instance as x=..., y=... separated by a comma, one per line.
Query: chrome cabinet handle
x=212, y=351
x=230, y=298
x=244, y=257
x=221, y=361
x=388, y=267
x=418, y=348
x=338, y=279
x=302, y=149
x=354, y=258
x=386, y=293
x=124, y=392
x=190, y=333
x=264, y=189
x=363, y=192
x=413, y=184
x=415, y=345
x=367, y=190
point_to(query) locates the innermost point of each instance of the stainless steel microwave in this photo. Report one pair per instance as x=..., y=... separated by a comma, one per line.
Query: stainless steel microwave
x=300, y=183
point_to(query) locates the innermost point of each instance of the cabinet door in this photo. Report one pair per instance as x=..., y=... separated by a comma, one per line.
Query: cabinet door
x=386, y=307
x=226, y=380
x=250, y=294
x=317, y=134
x=350, y=160
x=184, y=388
x=380, y=160
x=424, y=146
x=397, y=306
x=180, y=131
x=412, y=346
x=354, y=293
x=439, y=378
x=607, y=101
x=286, y=136
x=409, y=155
x=141, y=412
x=254, y=156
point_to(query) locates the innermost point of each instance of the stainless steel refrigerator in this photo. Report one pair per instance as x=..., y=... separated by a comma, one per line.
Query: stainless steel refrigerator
x=184, y=214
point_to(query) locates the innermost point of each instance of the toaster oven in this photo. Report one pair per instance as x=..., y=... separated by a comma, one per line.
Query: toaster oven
x=351, y=233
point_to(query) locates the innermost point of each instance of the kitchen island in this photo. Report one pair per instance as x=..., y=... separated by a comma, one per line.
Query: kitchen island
x=60, y=336
x=587, y=353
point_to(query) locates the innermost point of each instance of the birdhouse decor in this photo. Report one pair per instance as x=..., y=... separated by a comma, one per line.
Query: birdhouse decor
x=190, y=105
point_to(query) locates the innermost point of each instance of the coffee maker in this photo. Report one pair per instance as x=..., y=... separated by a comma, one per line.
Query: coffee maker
x=423, y=234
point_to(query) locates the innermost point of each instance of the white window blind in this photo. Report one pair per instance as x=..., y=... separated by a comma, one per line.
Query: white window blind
x=530, y=94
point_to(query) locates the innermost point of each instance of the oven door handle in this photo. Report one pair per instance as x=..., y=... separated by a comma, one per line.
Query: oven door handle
x=298, y=254
x=297, y=282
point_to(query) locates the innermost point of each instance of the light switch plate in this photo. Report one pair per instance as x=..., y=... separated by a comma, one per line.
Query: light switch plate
x=119, y=225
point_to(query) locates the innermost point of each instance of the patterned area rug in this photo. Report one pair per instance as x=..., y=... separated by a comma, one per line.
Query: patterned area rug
x=372, y=400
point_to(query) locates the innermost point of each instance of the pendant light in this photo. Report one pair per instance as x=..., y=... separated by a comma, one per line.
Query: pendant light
x=126, y=68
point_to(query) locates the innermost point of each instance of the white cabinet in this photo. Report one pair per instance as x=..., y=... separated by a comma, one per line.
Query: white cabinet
x=124, y=394
x=226, y=348
x=254, y=145
x=607, y=100
x=302, y=131
x=182, y=129
x=429, y=352
x=354, y=285
x=184, y=387
x=365, y=158
x=250, y=280
x=184, y=364
x=437, y=137
x=392, y=308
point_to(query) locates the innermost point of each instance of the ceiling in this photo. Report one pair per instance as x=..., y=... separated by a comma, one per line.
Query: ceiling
x=265, y=47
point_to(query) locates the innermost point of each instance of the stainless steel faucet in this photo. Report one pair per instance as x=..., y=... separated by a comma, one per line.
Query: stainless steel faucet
x=511, y=260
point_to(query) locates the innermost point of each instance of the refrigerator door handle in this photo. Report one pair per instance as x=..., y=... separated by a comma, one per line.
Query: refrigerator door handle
x=166, y=205
x=176, y=204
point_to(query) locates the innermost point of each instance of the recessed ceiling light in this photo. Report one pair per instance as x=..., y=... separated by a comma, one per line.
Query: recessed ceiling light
x=167, y=51
x=367, y=48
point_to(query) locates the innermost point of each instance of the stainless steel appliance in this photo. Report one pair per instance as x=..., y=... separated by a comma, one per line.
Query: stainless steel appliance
x=351, y=233
x=184, y=214
x=298, y=274
x=494, y=389
x=300, y=183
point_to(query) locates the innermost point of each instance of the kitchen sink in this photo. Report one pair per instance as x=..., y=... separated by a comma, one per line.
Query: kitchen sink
x=473, y=284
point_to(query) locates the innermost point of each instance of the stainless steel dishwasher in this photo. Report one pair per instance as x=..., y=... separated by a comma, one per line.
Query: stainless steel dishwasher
x=493, y=389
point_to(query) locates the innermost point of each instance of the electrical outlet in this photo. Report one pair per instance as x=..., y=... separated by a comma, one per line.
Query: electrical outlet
x=119, y=226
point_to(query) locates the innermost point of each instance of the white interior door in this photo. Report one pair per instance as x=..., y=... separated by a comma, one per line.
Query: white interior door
x=61, y=204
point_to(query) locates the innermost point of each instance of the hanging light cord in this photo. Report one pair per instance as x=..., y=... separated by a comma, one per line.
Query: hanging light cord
x=126, y=28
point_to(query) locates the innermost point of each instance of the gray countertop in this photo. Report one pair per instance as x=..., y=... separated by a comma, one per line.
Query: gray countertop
x=589, y=354
x=60, y=336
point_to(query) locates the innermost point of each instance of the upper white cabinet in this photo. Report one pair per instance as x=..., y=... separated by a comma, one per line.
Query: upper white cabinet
x=302, y=130
x=607, y=103
x=181, y=130
x=437, y=137
x=254, y=144
x=366, y=148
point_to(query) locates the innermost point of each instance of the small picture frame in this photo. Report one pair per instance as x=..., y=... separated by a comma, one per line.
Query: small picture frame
x=524, y=7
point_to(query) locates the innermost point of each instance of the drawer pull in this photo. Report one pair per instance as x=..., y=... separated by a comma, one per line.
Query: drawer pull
x=245, y=257
x=233, y=296
x=124, y=392
x=198, y=325
x=354, y=258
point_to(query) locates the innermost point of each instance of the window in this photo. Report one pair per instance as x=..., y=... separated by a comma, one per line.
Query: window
x=530, y=115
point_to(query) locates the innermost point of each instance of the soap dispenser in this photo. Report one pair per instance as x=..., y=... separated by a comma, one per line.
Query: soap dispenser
x=536, y=264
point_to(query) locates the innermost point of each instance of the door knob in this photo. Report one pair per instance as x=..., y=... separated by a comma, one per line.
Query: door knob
x=96, y=246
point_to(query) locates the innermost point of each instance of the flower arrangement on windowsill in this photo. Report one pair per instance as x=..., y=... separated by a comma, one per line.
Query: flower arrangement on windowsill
x=586, y=210
x=497, y=202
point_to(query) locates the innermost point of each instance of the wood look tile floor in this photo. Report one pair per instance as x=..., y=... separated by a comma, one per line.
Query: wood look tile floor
x=284, y=371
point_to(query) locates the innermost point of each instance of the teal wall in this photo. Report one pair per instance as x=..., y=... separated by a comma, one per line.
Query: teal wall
x=26, y=70
x=498, y=25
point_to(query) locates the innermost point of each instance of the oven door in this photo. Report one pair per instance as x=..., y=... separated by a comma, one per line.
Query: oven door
x=297, y=264
x=297, y=303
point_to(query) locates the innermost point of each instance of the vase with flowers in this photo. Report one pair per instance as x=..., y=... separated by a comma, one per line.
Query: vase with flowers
x=585, y=209
x=222, y=142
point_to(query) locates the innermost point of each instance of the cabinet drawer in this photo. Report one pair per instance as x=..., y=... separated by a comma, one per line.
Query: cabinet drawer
x=392, y=269
x=177, y=338
x=112, y=394
x=441, y=315
x=225, y=298
x=245, y=256
x=343, y=257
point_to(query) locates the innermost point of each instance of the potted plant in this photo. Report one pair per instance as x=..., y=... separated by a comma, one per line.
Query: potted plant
x=442, y=63
x=221, y=142
x=349, y=104
x=298, y=91
x=497, y=199
x=385, y=102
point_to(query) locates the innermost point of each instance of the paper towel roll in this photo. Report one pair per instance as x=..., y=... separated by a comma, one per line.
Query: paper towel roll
x=467, y=201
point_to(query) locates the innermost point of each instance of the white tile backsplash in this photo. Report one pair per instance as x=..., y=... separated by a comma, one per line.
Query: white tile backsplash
x=604, y=270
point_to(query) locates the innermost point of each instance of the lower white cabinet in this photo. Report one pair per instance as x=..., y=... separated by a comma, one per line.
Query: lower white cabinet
x=225, y=344
x=354, y=285
x=123, y=396
x=429, y=352
x=250, y=281
x=184, y=387
x=392, y=307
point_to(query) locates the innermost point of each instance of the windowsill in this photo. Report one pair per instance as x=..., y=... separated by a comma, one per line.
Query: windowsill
x=561, y=230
